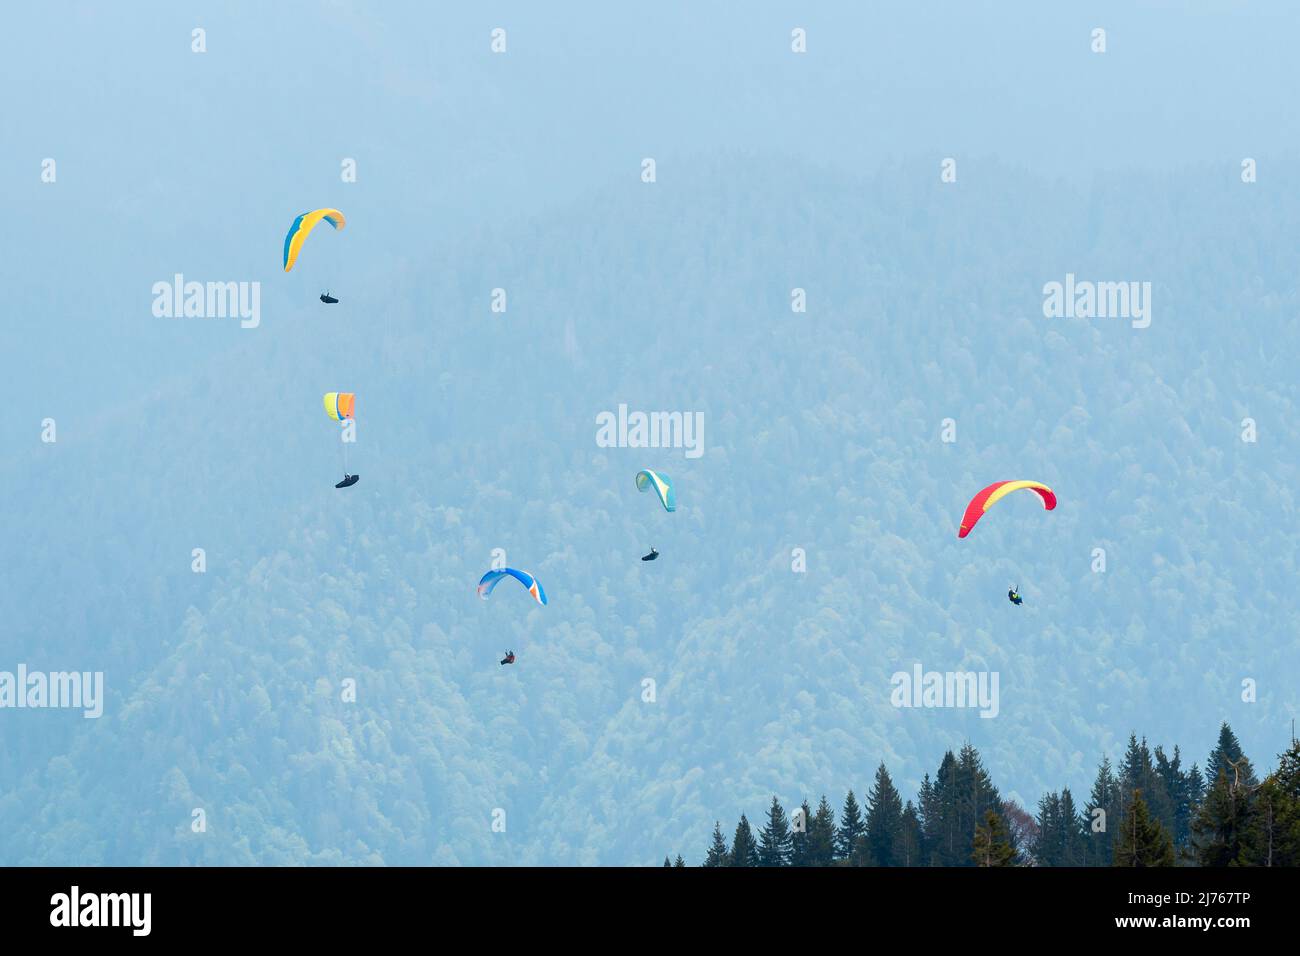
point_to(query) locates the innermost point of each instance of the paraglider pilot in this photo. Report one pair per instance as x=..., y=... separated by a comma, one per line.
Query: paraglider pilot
x=1014, y=596
x=509, y=658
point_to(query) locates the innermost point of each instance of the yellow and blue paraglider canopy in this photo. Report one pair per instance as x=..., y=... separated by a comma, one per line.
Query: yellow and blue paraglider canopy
x=662, y=484
x=340, y=406
x=301, y=229
x=493, y=578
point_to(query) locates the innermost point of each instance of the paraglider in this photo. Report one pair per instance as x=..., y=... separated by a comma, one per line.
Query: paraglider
x=490, y=580
x=341, y=406
x=509, y=658
x=994, y=493
x=662, y=485
x=1013, y=595
x=327, y=298
x=302, y=228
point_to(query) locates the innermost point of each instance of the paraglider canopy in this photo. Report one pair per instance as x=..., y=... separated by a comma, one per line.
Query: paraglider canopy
x=302, y=228
x=340, y=406
x=994, y=493
x=662, y=484
x=490, y=580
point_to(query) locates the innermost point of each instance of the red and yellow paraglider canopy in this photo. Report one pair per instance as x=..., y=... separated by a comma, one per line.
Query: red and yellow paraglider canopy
x=994, y=493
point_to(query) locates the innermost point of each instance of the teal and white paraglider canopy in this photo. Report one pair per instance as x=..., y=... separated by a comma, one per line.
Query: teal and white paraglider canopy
x=662, y=484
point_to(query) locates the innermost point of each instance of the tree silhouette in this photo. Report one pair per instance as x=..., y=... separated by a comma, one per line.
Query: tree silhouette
x=718, y=854
x=744, y=851
x=774, y=840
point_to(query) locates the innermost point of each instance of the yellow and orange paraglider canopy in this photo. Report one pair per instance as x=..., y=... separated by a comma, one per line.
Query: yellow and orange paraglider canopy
x=340, y=406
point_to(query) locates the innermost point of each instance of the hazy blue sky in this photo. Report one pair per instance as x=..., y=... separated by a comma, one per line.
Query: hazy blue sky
x=172, y=161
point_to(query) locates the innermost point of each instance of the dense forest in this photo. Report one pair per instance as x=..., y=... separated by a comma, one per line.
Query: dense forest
x=1147, y=811
x=224, y=689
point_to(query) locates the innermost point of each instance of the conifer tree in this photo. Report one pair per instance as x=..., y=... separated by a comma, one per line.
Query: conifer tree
x=744, y=851
x=1142, y=840
x=1288, y=770
x=907, y=848
x=1178, y=788
x=1264, y=837
x=884, y=819
x=1226, y=757
x=943, y=824
x=852, y=828
x=1101, y=827
x=991, y=847
x=1195, y=787
x=1138, y=772
x=927, y=810
x=821, y=836
x=680, y=863
x=774, y=840
x=717, y=855
x=975, y=796
x=1050, y=850
x=1220, y=824
x=1075, y=844
x=1272, y=837
x=1063, y=832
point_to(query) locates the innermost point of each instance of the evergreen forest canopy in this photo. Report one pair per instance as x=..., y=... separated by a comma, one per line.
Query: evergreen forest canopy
x=1148, y=811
